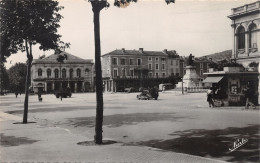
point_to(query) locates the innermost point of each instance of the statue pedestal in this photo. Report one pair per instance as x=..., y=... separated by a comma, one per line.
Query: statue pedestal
x=190, y=79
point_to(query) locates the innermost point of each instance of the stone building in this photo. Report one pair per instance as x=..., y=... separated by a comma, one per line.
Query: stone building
x=128, y=64
x=48, y=75
x=246, y=36
x=246, y=33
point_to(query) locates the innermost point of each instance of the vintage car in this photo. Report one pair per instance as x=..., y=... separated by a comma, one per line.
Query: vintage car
x=129, y=90
x=64, y=93
x=148, y=94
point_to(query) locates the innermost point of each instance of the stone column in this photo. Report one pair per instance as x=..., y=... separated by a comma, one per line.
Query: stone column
x=258, y=39
x=45, y=86
x=233, y=40
x=107, y=86
x=83, y=86
x=258, y=80
x=115, y=86
x=111, y=86
x=76, y=87
x=53, y=86
x=246, y=43
x=235, y=46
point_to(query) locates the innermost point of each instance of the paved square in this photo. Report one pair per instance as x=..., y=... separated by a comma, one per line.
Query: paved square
x=175, y=122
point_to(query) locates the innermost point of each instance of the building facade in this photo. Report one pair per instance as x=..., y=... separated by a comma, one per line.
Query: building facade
x=49, y=75
x=134, y=63
x=246, y=36
x=246, y=33
x=138, y=64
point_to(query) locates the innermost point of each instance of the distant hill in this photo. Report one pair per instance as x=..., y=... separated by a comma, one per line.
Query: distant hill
x=220, y=56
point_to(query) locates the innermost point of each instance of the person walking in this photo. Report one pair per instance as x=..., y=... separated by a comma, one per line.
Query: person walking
x=210, y=97
x=40, y=96
x=16, y=94
x=248, y=95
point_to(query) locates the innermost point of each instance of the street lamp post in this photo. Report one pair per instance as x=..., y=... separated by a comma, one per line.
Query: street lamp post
x=124, y=77
x=182, y=85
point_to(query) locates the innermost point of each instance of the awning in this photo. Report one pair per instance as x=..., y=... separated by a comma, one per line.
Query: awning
x=213, y=79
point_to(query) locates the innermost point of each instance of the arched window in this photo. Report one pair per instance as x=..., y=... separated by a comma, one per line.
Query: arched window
x=86, y=71
x=56, y=72
x=252, y=36
x=241, y=38
x=71, y=73
x=78, y=73
x=63, y=73
x=39, y=72
x=48, y=73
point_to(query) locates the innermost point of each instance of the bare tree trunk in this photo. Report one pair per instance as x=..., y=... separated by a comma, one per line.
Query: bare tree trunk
x=28, y=77
x=99, y=82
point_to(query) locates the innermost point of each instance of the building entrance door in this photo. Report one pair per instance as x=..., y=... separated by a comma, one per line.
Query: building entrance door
x=48, y=89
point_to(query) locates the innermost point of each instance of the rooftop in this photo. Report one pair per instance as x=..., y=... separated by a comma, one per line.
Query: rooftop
x=70, y=59
x=245, y=10
x=141, y=52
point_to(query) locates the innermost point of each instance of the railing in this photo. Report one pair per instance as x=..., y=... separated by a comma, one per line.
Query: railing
x=241, y=51
x=239, y=9
x=58, y=79
x=247, y=7
x=196, y=89
x=252, y=50
x=191, y=89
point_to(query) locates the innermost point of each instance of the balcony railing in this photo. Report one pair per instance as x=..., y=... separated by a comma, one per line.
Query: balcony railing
x=58, y=79
x=246, y=8
x=241, y=51
x=252, y=50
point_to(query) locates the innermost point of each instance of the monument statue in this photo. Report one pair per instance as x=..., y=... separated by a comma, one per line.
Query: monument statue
x=190, y=61
x=190, y=79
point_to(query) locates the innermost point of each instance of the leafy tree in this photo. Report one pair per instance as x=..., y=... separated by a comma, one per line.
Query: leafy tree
x=25, y=23
x=17, y=77
x=4, y=80
x=97, y=6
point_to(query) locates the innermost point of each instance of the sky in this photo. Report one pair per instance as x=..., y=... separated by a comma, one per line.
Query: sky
x=200, y=27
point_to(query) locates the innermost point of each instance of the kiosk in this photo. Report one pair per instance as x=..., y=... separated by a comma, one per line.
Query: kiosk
x=228, y=86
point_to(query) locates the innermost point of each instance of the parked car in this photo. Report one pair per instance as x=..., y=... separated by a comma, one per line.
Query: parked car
x=148, y=94
x=129, y=90
x=64, y=93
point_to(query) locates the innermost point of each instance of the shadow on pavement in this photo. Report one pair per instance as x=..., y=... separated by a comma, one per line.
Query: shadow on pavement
x=50, y=108
x=92, y=143
x=118, y=120
x=7, y=141
x=213, y=143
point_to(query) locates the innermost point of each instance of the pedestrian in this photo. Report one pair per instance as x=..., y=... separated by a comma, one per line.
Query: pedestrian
x=210, y=97
x=16, y=94
x=39, y=96
x=248, y=95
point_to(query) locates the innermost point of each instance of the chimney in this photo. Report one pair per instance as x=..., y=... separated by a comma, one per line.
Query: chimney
x=141, y=50
x=165, y=50
x=123, y=49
